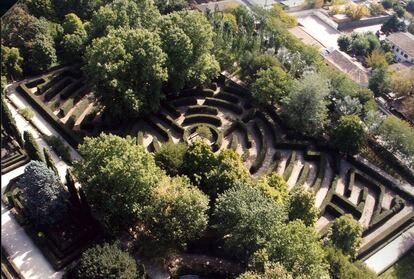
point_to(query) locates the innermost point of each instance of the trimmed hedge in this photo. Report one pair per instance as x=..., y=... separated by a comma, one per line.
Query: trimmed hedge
x=170, y=109
x=258, y=162
x=245, y=132
x=55, y=89
x=316, y=185
x=174, y=125
x=304, y=172
x=270, y=126
x=159, y=128
x=67, y=134
x=223, y=104
x=227, y=97
x=217, y=135
x=42, y=88
x=201, y=110
x=71, y=89
x=202, y=118
x=289, y=165
x=197, y=93
x=183, y=102
x=35, y=83
x=328, y=196
x=156, y=144
x=346, y=205
x=350, y=181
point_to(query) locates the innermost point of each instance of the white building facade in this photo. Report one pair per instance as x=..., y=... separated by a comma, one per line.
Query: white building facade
x=402, y=44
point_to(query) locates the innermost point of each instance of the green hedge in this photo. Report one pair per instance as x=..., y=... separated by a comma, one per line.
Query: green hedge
x=202, y=110
x=52, y=80
x=140, y=138
x=59, y=147
x=183, y=102
x=174, y=125
x=197, y=93
x=258, y=162
x=239, y=125
x=35, y=83
x=227, y=97
x=159, y=128
x=67, y=134
x=217, y=135
x=350, y=181
x=80, y=108
x=170, y=109
x=223, y=104
x=311, y=155
x=71, y=88
x=346, y=205
x=316, y=185
x=55, y=89
x=270, y=126
x=289, y=165
x=202, y=118
x=304, y=173
x=156, y=144
x=328, y=196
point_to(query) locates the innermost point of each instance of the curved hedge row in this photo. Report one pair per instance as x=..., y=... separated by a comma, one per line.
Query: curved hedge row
x=258, y=162
x=223, y=104
x=159, y=128
x=202, y=110
x=227, y=97
x=202, y=118
x=316, y=185
x=289, y=165
x=270, y=126
x=304, y=173
x=197, y=92
x=55, y=89
x=245, y=132
x=217, y=135
x=170, y=109
x=186, y=101
x=174, y=125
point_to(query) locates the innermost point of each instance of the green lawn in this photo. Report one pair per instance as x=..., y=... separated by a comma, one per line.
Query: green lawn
x=403, y=269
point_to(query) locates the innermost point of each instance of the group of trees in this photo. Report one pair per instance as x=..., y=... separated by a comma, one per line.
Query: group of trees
x=174, y=196
x=361, y=44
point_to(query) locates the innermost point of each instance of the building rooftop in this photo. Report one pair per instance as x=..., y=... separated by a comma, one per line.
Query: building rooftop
x=343, y=62
x=404, y=41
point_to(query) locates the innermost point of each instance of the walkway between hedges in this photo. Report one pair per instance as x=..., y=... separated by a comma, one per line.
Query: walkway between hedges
x=23, y=253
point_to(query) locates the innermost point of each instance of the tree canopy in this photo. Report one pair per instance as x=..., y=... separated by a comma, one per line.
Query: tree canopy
x=349, y=134
x=301, y=206
x=346, y=234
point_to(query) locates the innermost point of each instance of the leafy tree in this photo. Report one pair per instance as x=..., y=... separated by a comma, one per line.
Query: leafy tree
x=43, y=195
x=117, y=176
x=296, y=247
x=398, y=136
x=349, y=134
x=305, y=108
x=199, y=160
x=399, y=10
x=49, y=161
x=301, y=206
x=42, y=54
x=376, y=59
x=72, y=23
x=376, y=9
x=341, y=267
x=272, y=271
x=373, y=121
x=107, y=261
x=41, y=8
x=402, y=82
x=11, y=62
x=271, y=85
x=74, y=44
x=229, y=171
x=346, y=234
x=379, y=82
x=128, y=14
x=177, y=212
x=246, y=215
x=171, y=157
x=32, y=148
x=393, y=24
x=8, y=122
x=275, y=186
x=132, y=83
x=166, y=7
x=252, y=63
x=348, y=106
x=360, y=46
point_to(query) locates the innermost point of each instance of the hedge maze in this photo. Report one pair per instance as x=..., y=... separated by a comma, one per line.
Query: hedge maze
x=259, y=135
x=12, y=156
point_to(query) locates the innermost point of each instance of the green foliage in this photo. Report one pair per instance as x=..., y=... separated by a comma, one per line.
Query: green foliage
x=171, y=157
x=11, y=62
x=379, y=82
x=275, y=186
x=42, y=54
x=340, y=266
x=8, y=122
x=117, y=176
x=132, y=83
x=26, y=112
x=301, y=206
x=74, y=44
x=49, y=161
x=3, y=86
x=271, y=85
x=59, y=147
x=31, y=147
x=107, y=261
x=176, y=214
x=72, y=23
x=349, y=134
x=198, y=161
x=245, y=216
x=228, y=171
x=346, y=234
x=387, y=4
x=359, y=43
x=127, y=14
x=398, y=136
x=297, y=248
x=41, y=8
x=410, y=6
x=305, y=107
x=271, y=271
x=252, y=63
x=43, y=195
x=393, y=24
x=166, y=7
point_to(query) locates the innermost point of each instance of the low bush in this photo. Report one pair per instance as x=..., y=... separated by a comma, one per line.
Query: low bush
x=258, y=162
x=202, y=110
x=174, y=125
x=55, y=89
x=269, y=125
x=289, y=165
x=316, y=185
x=27, y=113
x=186, y=101
x=170, y=109
x=304, y=172
x=227, y=97
x=202, y=118
x=159, y=128
x=71, y=88
x=197, y=93
x=59, y=147
x=35, y=83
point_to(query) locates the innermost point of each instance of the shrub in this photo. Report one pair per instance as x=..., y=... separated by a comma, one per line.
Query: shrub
x=59, y=147
x=9, y=124
x=171, y=157
x=43, y=195
x=107, y=261
x=262, y=151
x=27, y=113
x=31, y=147
x=202, y=118
x=49, y=161
x=202, y=110
x=224, y=104
x=346, y=234
x=301, y=206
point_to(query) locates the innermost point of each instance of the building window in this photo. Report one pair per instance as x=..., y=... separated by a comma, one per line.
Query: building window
x=397, y=49
x=406, y=56
x=393, y=46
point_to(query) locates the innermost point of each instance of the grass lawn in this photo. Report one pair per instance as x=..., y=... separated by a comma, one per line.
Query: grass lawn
x=403, y=269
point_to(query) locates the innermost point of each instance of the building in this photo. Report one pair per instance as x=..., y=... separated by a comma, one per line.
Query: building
x=402, y=44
